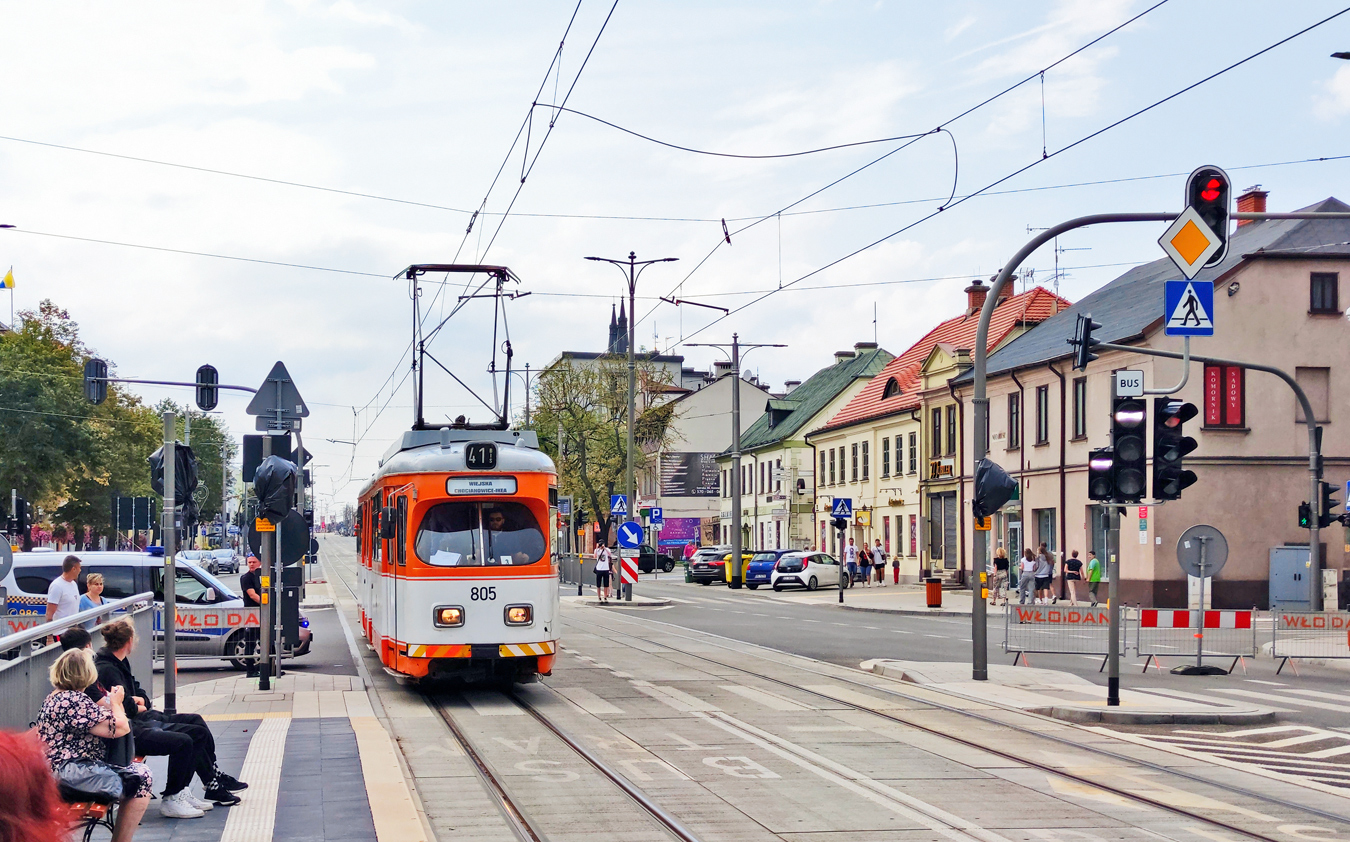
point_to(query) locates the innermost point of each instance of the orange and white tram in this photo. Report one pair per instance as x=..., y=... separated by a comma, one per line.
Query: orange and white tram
x=458, y=539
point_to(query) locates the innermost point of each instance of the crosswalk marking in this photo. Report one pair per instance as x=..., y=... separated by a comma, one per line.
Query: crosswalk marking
x=1281, y=750
x=1308, y=703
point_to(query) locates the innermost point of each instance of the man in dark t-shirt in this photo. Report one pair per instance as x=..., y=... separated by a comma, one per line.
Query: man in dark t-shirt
x=251, y=582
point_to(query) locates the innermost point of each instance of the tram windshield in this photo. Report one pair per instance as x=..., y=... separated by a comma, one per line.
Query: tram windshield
x=464, y=534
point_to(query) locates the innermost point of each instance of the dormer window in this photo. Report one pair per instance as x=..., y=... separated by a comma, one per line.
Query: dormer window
x=892, y=389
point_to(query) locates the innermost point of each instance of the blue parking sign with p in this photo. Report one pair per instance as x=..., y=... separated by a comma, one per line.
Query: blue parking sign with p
x=657, y=516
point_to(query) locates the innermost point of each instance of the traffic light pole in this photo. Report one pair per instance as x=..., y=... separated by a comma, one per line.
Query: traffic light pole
x=980, y=399
x=170, y=526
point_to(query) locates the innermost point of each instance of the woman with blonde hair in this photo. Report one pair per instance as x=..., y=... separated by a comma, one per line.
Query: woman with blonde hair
x=73, y=727
x=93, y=597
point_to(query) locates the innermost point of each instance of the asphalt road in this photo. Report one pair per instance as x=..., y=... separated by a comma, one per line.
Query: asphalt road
x=1317, y=696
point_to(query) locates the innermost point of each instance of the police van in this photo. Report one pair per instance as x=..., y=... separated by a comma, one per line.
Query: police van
x=127, y=574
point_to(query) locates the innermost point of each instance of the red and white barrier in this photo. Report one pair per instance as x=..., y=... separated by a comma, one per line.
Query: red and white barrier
x=629, y=571
x=1181, y=618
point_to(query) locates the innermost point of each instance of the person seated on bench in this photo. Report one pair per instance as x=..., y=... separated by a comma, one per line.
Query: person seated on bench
x=183, y=737
x=30, y=807
x=71, y=724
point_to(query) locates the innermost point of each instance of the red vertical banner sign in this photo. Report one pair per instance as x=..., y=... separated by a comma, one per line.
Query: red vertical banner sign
x=913, y=535
x=1233, y=396
x=886, y=534
x=1213, y=396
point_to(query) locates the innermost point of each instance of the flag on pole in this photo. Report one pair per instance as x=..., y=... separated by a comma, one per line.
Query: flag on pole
x=7, y=282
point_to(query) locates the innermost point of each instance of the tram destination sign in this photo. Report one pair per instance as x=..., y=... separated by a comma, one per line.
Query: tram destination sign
x=485, y=486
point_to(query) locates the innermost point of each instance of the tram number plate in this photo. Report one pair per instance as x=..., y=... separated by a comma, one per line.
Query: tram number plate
x=480, y=456
x=485, y=594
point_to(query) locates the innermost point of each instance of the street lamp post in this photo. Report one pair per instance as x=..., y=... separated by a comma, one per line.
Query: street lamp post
x=735, y=354
x=633, y=273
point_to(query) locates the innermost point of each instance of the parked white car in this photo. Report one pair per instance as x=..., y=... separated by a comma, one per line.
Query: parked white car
x=805, y=570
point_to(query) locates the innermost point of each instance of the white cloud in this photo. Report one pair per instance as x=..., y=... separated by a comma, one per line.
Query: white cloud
x=1335, y=101
x=960, y=26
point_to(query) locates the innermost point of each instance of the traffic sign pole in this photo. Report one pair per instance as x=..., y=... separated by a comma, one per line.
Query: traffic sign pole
x=168, y=515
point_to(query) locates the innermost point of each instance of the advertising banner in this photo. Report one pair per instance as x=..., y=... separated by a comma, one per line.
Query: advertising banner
x=689, y=474
x=677, y=532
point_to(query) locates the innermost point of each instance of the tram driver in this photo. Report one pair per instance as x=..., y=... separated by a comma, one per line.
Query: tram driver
x=510, y=542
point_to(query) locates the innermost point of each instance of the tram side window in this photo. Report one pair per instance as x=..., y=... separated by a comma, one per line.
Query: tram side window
x=463, y=534
x=376, y=544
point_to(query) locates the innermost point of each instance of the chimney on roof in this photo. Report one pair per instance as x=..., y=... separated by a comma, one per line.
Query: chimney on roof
x=860, y=348
x=1008, y=289
x=721, y=367
x=1252, y=200
x=790, y=385
x=842, y=356
x=975, y=295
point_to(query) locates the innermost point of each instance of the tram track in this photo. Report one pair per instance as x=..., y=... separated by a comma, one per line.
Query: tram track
x=1024, y=759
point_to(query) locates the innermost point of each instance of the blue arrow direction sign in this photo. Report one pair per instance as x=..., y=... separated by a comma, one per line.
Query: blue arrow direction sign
x=618, y=504
x=843, y=507
x=630, y=535
x=1188, y=308
x=657, y=516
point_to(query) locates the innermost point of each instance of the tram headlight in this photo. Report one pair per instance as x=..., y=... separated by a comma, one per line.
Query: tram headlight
x=519, y=615
x=447, y=616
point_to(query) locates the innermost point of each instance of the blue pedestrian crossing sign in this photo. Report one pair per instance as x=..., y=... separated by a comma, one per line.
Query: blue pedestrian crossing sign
x=843, y=507
x=630, y=535
x=618, y=504
x=657, y=517
x=1188, y=308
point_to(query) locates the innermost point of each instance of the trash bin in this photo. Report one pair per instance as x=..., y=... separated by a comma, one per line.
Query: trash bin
x=933, y=590
x=688, y=577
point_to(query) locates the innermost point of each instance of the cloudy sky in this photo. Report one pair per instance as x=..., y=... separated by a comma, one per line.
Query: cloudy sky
x=415, y=105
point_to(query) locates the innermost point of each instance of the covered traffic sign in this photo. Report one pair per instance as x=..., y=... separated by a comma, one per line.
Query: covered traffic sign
x=1202, y=551
x=1190, y=242
x=630, y=535
x=842, y=507
x=277, y=404
x=1188, y=308
x=618, y=505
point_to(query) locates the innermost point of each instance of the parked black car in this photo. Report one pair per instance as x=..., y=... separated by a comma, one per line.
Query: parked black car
x=650, y=560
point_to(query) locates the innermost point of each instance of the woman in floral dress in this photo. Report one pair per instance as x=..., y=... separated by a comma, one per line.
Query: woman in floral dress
x=72, y=727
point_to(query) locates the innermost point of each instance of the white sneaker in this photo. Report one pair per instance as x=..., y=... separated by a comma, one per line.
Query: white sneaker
x=177, y=807
x=204, y=806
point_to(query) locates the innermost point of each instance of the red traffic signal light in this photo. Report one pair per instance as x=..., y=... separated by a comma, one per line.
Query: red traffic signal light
x=1209, y=191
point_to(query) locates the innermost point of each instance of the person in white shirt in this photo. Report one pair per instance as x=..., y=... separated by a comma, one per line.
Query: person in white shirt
x=851, y=561
x=879, y=562
x=603, y=562
x=63, y=595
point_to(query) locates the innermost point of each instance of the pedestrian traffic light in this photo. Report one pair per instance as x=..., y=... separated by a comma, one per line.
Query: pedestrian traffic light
x=1128, y=418
x=1101, y=474
x=1305, y=517
x=1082, y=341
x=840, y=524
x=1208, y=191
x=208, y=395
x=1324, y=516
x=95, y=380
x=1170, y=446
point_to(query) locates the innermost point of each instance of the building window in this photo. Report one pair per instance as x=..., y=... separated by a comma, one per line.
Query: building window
x=1014, y=420
x=853, y=476
x=936, y=432
x=778, y=484
x=1225, y=396
x=892, y=389
x=886, y=457
x=1080, y=407
x=913, y=453
x=724, y=482
x=762, y=471
x=1323, y=289
x=1045, y=529
x=1042, y=414
x=822, y=469
x=1316, y=383
x=831, y=466
x=913, y=535
x=866, y=459
x=951, y=430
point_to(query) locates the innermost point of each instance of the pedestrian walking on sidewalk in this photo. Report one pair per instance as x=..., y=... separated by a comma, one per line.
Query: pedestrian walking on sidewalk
x=1094, y=576
x=851, y=561
x=603, y=563
x=1026, y=577
x=1045, y=574
x=1000, y=577
x=1073, y=573
x=865, y=564
x=879, y=560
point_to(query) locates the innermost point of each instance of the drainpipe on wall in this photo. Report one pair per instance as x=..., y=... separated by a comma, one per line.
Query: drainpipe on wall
x=961, y=483
x=816, y=482
x=1063, y=499
x=1021, y=456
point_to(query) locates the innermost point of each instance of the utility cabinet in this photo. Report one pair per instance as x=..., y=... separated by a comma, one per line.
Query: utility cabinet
x=1294, y=585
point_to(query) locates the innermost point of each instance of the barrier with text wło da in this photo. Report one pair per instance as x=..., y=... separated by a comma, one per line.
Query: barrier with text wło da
x=1172, y=633
x=1309, y=634
x=205, y=632
x=1058, y=630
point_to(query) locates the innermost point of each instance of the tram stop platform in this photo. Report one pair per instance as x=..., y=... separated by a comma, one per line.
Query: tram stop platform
x=319, y=763
x=1072, y=698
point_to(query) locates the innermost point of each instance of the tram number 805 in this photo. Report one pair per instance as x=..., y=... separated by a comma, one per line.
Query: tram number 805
x=485, y=594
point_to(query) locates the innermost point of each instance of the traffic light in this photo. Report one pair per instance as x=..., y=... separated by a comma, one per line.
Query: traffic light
x=1325, y=518
x=1170, y=446
x=1304, y=515
x=1102, y=474
x=1128, y=418
x=1082, y=342
x=208, y=395
x=840, y=524
x=95, y=380
x=1208, y=191
x=21, y=515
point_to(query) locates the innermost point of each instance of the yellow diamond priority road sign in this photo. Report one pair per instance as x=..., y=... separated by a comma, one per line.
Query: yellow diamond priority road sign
x=1189, y=241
